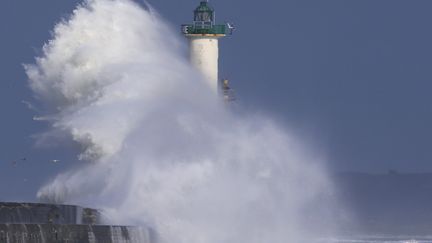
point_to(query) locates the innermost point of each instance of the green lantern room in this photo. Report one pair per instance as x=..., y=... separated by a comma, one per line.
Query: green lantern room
x=204, y=22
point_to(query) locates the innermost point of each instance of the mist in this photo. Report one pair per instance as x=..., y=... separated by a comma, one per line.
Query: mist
x=161, y=149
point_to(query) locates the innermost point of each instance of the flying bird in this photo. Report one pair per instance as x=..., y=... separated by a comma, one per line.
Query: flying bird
x=231, y=27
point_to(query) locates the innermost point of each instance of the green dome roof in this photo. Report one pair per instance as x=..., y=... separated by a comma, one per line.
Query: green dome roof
x=204, y=7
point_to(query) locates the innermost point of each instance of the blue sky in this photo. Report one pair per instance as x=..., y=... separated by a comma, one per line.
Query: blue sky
x=354, y=77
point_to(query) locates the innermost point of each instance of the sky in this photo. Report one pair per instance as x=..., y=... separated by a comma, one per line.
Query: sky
x=352, y=77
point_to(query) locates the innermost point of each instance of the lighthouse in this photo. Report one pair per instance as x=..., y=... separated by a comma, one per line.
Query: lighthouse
x=204, y=35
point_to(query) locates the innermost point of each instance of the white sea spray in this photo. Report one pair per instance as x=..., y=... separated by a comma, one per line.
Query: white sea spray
x=162, y=149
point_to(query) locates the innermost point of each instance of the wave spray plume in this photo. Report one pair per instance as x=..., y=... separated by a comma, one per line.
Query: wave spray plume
x=162, y=150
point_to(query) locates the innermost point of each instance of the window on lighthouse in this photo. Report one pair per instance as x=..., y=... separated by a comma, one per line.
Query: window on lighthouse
x=203, y=17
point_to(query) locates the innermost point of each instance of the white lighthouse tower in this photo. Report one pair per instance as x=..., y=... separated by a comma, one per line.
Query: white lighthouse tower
x=203, y=37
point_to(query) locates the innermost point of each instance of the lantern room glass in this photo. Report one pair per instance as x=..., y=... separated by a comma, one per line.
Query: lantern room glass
x=204, y=16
